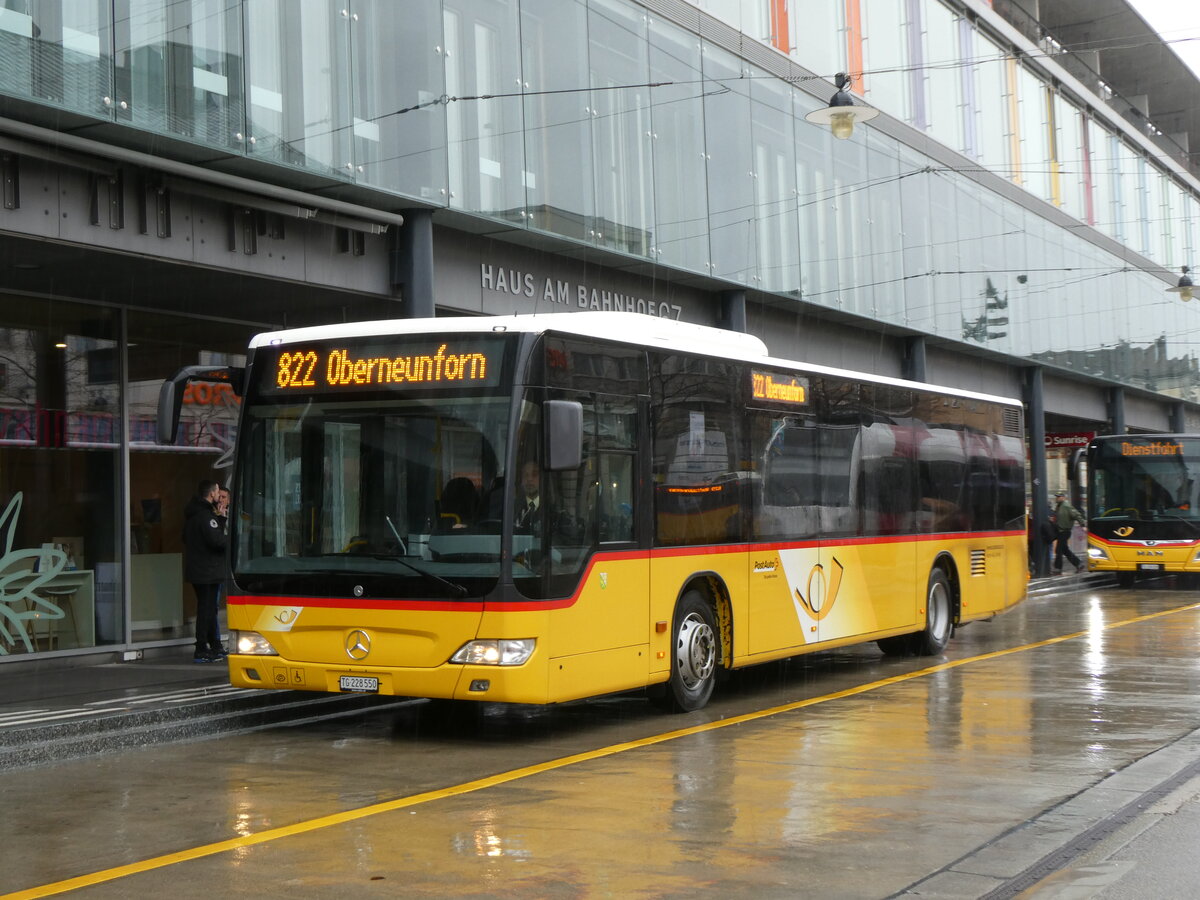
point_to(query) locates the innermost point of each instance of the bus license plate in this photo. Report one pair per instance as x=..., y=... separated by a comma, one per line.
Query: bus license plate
x=359, y=684
x=1150, y=567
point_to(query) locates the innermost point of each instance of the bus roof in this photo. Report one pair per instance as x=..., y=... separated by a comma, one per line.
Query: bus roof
x=627, y=328
x=630, y=328
x=1146, y=436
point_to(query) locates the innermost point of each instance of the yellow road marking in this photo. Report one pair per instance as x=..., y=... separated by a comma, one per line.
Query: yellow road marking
x=273, y=834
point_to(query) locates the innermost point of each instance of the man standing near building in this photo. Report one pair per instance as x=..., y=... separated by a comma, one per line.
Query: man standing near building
x=1065, y=516
x=204, y=542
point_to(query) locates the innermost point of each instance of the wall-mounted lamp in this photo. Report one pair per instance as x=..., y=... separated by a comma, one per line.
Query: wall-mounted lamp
x=1184, y=287
x=841, y=113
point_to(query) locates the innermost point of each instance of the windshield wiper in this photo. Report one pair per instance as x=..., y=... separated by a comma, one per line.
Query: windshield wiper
x=1172, y=515
x=399, y=540
x=456, y=589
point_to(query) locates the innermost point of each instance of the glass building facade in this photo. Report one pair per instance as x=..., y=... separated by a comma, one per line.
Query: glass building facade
x=597, y=122
x=997, y=208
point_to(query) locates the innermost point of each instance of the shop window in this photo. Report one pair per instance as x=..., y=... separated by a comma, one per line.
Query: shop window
x=163, y=479
x=60, y=580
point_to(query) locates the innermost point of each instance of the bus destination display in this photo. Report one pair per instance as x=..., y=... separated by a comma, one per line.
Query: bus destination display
x=1151, y=448
x=790, y=389
x=453, y=362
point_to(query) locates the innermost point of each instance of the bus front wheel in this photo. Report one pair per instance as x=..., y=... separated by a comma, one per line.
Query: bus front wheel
x=694, y=654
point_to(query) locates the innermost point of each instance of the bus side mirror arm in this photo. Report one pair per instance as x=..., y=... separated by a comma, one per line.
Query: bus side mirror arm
x=170, y=394
x=563, y=423
x=1073, y=464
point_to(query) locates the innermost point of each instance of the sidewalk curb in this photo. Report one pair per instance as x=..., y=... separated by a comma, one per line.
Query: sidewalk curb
x=124, y=729
x=1066, y=584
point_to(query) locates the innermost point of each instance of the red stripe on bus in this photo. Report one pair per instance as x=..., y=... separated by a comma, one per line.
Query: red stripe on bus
x=355, y=603
x=1137, y=543
x=477, y=606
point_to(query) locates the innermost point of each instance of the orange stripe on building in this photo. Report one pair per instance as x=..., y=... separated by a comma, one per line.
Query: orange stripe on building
x=1014, y=119
x=854, y=49
x=1056, y=194
x=780, y=32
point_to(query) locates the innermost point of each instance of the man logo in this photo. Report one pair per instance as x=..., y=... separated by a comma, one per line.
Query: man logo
x=358, y=645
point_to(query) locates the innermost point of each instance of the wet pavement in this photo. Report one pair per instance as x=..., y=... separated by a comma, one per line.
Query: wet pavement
x=48, y=712
x=52, y=713
x=1053, y=751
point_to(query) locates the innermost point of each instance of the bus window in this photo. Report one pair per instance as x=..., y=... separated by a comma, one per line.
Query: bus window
x=888, y=488
x=697, y=485
x=616, y=448
x=374, y=493
x=809, y=464
x=806, y=486
x=342, y=512
x=554, y=536
x=982, y=482
x=1010, y=475
x=786, y=454
x=886, y=492
x=941, y=464
x=616, y=497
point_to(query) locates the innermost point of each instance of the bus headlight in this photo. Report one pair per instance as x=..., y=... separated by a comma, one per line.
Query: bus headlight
x=251, y=643
x=495, y=653
x=1097, y=553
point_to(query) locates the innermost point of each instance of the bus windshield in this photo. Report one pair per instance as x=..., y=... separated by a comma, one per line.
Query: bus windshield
x=1142, y=478
x=384, y=497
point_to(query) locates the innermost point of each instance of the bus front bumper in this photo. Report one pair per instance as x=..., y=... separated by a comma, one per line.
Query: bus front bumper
x=502, y=684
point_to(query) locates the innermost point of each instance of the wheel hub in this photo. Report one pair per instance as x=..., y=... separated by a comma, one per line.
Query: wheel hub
x=696, y=651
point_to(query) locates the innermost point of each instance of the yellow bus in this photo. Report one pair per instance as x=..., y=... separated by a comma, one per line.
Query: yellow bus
x=537, y=509
x=1143, y=502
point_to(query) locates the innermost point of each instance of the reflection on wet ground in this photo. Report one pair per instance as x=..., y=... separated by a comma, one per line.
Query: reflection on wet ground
x=874, y=774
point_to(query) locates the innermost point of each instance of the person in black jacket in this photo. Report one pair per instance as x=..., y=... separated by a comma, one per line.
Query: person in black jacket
x=204, y=542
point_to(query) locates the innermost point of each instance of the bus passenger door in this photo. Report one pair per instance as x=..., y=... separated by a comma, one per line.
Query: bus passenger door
x=786, y=528
x=584, y=533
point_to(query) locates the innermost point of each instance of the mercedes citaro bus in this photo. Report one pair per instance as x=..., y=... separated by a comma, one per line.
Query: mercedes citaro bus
x=537, y=509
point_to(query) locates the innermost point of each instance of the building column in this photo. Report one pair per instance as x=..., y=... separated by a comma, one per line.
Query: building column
x=733, y=310
x=1116, y=411
x=412, y=264
x=1178, y=422
x=1035, y=433
x=914, y=358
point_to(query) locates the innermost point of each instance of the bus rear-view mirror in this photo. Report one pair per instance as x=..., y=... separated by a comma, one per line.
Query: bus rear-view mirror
x=563, y=422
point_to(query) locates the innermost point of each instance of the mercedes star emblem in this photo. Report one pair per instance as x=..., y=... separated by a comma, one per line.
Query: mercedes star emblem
x=358, y=644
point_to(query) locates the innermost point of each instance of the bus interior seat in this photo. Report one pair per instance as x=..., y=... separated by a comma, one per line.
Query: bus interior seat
x=460, y=502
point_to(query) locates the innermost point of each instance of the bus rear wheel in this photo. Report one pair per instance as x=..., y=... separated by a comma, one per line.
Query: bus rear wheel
x=694, y=655
x=939, y=616
x=939, y=622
